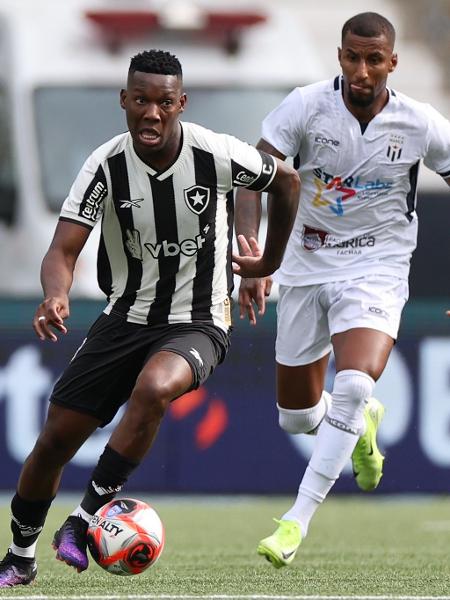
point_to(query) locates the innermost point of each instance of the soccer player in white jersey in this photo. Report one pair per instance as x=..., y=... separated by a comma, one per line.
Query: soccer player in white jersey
x=357, y=146
x=162, y=192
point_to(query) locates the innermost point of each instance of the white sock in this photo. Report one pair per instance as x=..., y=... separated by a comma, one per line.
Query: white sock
x=332, y=450
x=312, y=491
x=80, y=512
x=304, y=420
x=336, y=439
x=28, y=552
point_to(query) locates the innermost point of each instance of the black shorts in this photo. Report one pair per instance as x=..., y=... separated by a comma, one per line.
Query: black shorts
x=103, y=371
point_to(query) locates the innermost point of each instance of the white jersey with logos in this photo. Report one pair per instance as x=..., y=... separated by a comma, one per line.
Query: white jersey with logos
x=358, y=197
x=165, y=247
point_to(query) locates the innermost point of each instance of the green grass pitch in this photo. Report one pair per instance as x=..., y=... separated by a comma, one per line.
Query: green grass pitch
x=357, y=546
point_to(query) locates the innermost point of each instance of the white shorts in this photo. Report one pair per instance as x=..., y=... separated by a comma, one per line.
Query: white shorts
x=308, y=316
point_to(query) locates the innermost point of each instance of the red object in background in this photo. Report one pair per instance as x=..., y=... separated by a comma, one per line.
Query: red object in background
x=124, y=24
x=182, y=407
x=214, y=422
x=224, y=27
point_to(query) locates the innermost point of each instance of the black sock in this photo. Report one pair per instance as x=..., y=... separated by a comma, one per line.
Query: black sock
x=28, y=518
x=108, y=477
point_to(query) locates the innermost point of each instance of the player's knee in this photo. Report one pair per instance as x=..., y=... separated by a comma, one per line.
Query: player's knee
x=53, y=448
x=290, y=420
x=305, y=420
x=351, y=391
x=149, y=399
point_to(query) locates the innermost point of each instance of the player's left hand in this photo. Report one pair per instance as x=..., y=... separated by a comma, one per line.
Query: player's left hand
x=251, y=264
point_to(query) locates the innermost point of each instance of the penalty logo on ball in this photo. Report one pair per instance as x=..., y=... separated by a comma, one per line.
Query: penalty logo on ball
x=125, y=536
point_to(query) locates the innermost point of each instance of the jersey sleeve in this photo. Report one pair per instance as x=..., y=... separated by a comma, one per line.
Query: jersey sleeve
x=282, y=127
x=437, y=157
x=250, y=167
x=84, y=204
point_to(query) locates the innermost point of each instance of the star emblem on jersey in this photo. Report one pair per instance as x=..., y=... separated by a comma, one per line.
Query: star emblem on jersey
x=196, y=198
x=395, y=147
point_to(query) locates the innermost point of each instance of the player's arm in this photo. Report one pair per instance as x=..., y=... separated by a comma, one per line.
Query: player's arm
x=56, y=278
x=285, y=189
x=247, y=221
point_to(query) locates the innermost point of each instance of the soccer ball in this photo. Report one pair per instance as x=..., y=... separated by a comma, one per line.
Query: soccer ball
x=125, y=536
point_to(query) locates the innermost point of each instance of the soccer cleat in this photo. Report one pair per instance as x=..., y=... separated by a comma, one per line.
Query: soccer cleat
x=70, y=543
x=15, y=570
x=366, y=458
x=280, y=547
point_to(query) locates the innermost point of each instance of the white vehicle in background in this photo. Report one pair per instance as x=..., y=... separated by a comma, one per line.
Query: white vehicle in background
x=62, y=64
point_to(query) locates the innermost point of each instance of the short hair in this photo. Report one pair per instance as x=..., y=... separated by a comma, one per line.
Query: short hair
x=156, y=61
x=369, y=24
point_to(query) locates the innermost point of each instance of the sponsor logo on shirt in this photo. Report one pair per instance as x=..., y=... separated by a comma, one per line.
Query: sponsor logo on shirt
x=324, y=141
x=187, y=247
x=355, y=245
x=91, y=204
x=314, y=239
x=334, y=192
x=244, y=177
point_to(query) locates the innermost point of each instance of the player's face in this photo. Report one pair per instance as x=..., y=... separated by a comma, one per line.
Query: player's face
x=366, y=63
x=153, y=103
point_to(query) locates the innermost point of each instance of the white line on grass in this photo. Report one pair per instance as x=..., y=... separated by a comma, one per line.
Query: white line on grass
x=217, y=597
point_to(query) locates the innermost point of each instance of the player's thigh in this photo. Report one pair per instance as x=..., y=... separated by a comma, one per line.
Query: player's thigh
x=100, y=377
x=301, y=387
x=364, y=318
x=303, y=336
x=302, y=347
x=184, y=358
x=363, y=349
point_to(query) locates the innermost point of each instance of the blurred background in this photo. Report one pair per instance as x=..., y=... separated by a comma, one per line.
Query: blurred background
x=62, y=65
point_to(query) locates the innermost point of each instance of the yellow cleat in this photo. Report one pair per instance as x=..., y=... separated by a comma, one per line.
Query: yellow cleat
x=280, y=547
x=366, y=458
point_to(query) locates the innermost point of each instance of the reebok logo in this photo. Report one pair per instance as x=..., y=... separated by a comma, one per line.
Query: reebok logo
x=131, y=203
x=195, y=353
x=187, y=247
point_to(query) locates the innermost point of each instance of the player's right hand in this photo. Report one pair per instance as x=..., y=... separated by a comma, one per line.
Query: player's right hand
x=253, y=290
x=51, y=313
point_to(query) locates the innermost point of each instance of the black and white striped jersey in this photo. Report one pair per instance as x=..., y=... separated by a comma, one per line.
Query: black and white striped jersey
x=165, y=248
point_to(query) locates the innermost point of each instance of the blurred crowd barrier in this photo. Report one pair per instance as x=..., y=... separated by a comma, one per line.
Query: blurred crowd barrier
x=224, y=437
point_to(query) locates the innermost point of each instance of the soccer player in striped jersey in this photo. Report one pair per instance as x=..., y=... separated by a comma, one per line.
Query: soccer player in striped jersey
x=162, y=192
x=357, y=146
